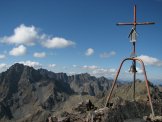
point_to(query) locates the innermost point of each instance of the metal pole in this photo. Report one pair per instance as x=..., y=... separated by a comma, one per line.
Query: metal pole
x=134, y=63
x=134, y=83
x=134, y=59
x=135, y=18
x=114, y=82
x=147, y=84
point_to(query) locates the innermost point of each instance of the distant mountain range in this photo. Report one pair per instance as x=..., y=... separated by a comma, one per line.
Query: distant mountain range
x=27, y=93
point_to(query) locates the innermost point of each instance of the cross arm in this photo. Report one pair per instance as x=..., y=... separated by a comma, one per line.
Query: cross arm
x=125, y=23
x=145, y=23
x=139, y=23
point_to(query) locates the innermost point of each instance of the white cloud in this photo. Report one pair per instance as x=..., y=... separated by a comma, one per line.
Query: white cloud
x=2, y=56
x=89, y=52
x=112, y=70
x=31, y=64
x=29, y=35
x=25, y=35
x=18, y=51
x=3, y=67
x=52, y=65
x=39, y=55
x=74, y=66
x=104, y=72
x=107, y=54
x=72, y=73
x=57, y=42
x=139, y=70
x=98, y=71
x=151, y=60
x=89, y=67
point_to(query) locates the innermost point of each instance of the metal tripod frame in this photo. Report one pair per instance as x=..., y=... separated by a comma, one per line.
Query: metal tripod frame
x=146, y=80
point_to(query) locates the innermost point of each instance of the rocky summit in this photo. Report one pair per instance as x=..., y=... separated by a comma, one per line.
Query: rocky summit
x=30, y=95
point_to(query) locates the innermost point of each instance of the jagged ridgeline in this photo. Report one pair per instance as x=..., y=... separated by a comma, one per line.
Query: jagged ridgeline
x=27, y=94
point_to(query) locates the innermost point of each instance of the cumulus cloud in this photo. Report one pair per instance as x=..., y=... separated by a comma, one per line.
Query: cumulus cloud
x=25, y=35
x=98, y=71
x=72, y=73
x=89, y=52
x=29, y=35
x=18, y=51
x=31, y=64
x=89, y=67
x=52, y=65
x=2, y=56
x=39, y=55
x=139, y=70
x=107, y=54
x=104, y=72
x=151, y=60
x=3, y=67
x=57, y=42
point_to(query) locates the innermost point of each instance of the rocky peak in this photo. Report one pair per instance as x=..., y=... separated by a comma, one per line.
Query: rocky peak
x=58, y=76
x=17, y=67
x=82, y=78
x=85, y=83
x=29, y=89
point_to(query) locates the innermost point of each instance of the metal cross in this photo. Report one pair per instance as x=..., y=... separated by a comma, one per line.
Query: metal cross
x=133, y=58
x=133, y=35
x=134, y=23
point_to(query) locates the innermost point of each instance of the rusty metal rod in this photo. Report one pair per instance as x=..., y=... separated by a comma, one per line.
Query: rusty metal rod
x=146, y=80
x=134, y=85
x=134, y=63
x=114, y=82
x=134, y=23
x=147, y=84
x=135, y=18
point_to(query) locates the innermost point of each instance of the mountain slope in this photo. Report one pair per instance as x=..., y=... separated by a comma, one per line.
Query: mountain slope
x=31, y=94
x=24, y=90
x=86, y=84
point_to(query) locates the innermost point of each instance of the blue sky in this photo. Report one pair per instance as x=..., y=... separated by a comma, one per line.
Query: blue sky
x=77, y=36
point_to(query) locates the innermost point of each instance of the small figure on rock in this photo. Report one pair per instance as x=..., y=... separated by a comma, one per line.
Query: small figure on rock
x=89, y=105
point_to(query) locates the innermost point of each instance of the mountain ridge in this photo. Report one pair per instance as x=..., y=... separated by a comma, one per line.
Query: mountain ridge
x=25, y=91
x=27, y=95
